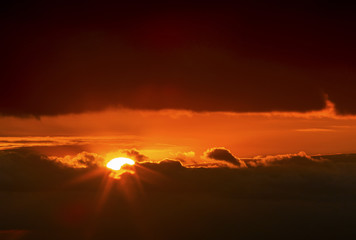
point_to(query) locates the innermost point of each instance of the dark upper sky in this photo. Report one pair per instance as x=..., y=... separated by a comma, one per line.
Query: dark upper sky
x=71, y=57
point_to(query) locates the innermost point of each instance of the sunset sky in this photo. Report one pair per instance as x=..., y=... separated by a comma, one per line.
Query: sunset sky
x=240, y=111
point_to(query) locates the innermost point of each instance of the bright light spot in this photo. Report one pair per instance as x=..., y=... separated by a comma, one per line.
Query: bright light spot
x=117, y=163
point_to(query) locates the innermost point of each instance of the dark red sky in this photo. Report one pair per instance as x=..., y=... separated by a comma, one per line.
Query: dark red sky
x=62, y=58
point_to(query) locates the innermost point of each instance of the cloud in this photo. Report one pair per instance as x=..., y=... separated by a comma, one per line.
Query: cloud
x=91, y=160
x=167, y=200
x=164, y=166
x=136, y=155
x=300, y=158
x=22, y=170
x=187, y=158
x=58, y=141
x=81, y=160
x=222, y=154
x=162, y=60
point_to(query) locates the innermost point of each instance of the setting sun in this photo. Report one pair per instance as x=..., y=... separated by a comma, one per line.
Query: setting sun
x=117, y=163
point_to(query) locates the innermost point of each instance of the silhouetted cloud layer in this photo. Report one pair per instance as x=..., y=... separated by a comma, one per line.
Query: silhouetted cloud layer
x=62, y=58
x=292, y=195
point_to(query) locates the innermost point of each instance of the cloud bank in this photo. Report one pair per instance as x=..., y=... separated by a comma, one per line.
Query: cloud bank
x=160, y=57
x=273, y=196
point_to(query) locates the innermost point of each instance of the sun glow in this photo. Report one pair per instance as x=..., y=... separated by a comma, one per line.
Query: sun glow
x=117, y=163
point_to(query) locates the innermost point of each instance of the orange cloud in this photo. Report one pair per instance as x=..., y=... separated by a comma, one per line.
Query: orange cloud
x=81, y=160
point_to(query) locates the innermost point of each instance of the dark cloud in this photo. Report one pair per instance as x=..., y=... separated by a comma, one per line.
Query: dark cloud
x=136, y=155
x=23, y=170
x=61, y=58
x=43, y=199
x=167, y=165
x=300, y=158
x=223, y=154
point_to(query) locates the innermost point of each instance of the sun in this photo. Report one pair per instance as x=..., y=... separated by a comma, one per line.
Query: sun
x=117, y=163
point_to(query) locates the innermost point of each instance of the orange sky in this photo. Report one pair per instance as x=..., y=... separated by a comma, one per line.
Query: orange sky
x=161, y=134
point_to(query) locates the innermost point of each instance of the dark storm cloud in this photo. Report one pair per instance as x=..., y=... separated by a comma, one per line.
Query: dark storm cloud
x=62, y=58
x=166, y=200
x=223, y=154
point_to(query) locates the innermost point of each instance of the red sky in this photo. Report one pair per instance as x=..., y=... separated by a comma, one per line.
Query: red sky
x=166, y=133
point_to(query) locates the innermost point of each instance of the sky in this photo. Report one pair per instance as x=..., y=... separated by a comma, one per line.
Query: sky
x=240, y=117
